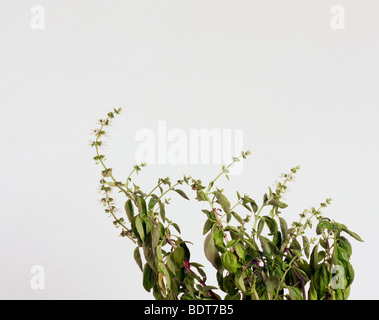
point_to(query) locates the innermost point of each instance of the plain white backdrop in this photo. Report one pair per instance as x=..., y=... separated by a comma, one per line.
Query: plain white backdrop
x=303, y=93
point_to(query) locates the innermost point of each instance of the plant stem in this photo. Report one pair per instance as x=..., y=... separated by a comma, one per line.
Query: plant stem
x=128, y=179
x=221, y=173
x=169, y=189
x=256, y=216
x=238, y=203
x=157, y=186
x=285, y=273
x=104, y=166
x=114, y=180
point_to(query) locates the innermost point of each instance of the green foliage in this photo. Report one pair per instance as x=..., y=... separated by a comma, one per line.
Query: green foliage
x=267, y=259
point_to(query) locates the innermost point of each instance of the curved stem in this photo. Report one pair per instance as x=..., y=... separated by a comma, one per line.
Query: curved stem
x=128, y=179
x=103, y=164
x=114, y=180
x=284, y=275
x=221, y=173
x=157, y=186
x=169, y=189
x=256, y=216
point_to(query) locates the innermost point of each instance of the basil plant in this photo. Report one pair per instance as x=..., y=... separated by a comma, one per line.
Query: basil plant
x=256, y=253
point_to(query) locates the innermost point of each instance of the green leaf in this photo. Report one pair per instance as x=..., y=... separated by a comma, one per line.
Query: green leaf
x=240, y=250
x=277, y=203
x=201, y=196
x=211, y=252
x=237, y=296
x=219, y=240
x=261, y=224
x=187, y=297
x=157, y=292
x=149, y=225
x=199, y=267
x=207, y=226
x=283, y=227
x=159, y=260
x=321, y=255
x=231, y=243
x=237, y=217
x=158, y=254
x=139, y=227
x=239, y=283
x=187, y=253
x=351, y=233
x=339, y=294
x=227, y=283
x=175, y=288
x=234, y=232
x=178, y=256
x=342, y=254
x=267, y=245
x=314, y=259
x=304, y=265
x=251, y=244
x=221, y=280
x=141, y=204
x=254, y=205
x=149, y=277
x=346, y=293
x=312, y=293
x=196, y=265
x=350, y=274
x=181, y=193
x=129, y=210
x=247, y=207
x=162, y=267
x=323, y=243
x=153, y=201
x=171, y=265
x=155, y=236
x=270, y=222
x=137, y=258
x=247, y=200
x=322, y=225
x=295, y=293
x=299, y=273
x=265, y=198
x=306, y=246
x=277, y=240
x=271, y=283
x=162, y=211
x=207, y=288
x=321, y=278
x=176, y=227
x=222, y=201
x=345, y=244
x=148, y=252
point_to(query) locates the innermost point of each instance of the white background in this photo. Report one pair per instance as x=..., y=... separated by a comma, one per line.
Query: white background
x=302, y=92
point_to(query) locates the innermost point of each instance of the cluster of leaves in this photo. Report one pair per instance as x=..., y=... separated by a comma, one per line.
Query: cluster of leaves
x=266, y=261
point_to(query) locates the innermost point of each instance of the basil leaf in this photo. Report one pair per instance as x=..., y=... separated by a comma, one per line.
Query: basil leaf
x=211, y=252
x=222, y=201
x=129, y=210
x=137, y=258
x=181, y=192
x=178, y=256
